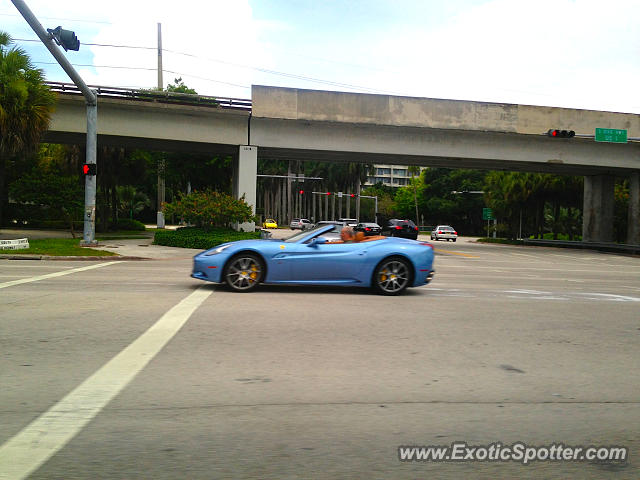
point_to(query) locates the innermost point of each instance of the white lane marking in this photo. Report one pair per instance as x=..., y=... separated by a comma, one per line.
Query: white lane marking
x=42, y=438
x=476, y=267
x=524, y=255
x=610, y=296
x=55, y=274
x=528, y=292
x=530, y=295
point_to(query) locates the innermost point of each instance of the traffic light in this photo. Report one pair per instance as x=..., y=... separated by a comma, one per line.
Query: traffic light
x=89, y=169
x=64, y=38
x=328, y=193
x=353, y=195
x=561, y=133
x=301, y=192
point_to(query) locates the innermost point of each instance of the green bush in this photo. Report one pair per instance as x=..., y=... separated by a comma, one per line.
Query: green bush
x=192, y=237
x=209, y=209
x=48, y=224
x=128, y=224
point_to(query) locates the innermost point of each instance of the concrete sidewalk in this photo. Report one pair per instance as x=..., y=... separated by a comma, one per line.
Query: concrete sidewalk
x=142, y=248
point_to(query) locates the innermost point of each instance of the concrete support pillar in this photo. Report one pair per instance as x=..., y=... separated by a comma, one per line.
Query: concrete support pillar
x=245, y=171
x=598, y=206
x=633, y=230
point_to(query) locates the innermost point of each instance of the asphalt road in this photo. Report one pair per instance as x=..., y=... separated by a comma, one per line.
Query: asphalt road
x=507, y=344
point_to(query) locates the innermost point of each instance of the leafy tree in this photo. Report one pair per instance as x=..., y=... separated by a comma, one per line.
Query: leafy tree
x=207, y=209
x=26, y=104
x=406, y=198
x=50, y=195
x=386, y=204
x=413, y=171
x=178, y=86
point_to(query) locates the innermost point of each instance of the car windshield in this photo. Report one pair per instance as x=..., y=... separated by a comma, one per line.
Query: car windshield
x=304, y=233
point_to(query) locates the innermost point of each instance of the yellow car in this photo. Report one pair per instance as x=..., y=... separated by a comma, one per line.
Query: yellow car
x=269, y=223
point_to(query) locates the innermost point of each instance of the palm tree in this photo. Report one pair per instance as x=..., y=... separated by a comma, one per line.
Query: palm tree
x=131, y=201
x=26, y=104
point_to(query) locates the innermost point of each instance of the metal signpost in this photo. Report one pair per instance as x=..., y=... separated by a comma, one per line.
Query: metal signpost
x=487, y=214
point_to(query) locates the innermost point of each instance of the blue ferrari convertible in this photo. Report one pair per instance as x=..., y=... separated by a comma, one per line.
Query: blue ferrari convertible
x=387, y=264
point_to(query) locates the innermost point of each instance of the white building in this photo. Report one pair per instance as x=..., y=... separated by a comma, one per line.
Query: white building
x=390, y=175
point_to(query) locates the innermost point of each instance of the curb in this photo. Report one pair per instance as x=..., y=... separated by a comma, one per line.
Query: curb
x=77, y=258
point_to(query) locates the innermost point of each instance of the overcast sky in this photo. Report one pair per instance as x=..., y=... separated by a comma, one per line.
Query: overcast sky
x=563, y=53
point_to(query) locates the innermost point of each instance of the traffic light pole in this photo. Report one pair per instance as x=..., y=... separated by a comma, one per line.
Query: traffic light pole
x=90, y=181
x=92, y=108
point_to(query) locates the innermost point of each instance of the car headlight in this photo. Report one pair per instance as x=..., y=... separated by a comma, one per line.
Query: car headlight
x=217, y=250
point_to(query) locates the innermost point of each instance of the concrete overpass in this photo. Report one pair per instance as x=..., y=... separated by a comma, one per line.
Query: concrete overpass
x=334, y=126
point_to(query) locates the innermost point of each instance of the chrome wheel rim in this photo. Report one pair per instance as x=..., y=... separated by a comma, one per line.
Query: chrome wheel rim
x=244, y=273
x=393, y=276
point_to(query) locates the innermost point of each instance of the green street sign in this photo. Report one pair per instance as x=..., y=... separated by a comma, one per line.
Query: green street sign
x=611, y=135
x=487, y=214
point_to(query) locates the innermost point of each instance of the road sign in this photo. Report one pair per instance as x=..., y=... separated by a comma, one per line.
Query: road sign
x=487, y=214
x=611, y=135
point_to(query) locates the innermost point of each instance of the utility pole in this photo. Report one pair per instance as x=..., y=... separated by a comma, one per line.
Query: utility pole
x=160, y=82
x=161, y=163
x=91, y=100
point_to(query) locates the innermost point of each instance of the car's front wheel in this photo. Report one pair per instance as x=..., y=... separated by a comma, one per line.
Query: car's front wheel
x=392, y=276
x=244, y=272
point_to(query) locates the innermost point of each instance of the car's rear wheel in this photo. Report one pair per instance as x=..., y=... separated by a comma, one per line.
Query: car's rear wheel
x=392, y=276
x=244, y=272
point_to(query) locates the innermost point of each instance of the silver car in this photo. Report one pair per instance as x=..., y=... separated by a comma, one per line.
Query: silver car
x=444, y=232
x=301, y=223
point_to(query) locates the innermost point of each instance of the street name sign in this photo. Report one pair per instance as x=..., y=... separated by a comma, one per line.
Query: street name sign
x=611, y=135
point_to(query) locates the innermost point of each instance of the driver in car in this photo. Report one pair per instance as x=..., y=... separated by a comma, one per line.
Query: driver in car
x=347, y=235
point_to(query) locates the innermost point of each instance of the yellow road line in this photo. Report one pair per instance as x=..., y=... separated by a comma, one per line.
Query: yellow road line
x=455, y=253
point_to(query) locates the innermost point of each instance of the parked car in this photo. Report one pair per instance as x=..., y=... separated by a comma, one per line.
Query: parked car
x=400, y=228
x=301, y=223
x=369, y=229
x=352, y=222
x=269, y=223
x=444, y=232
x=387, y=265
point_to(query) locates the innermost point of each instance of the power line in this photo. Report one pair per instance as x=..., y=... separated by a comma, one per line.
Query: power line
x=91, y=44
x=207, y=79
x=64, y=19
x=148, y=69
x=258, y=69
x=98, y=66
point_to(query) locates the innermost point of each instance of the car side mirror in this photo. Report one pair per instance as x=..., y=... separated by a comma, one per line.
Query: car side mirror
x=317, y=241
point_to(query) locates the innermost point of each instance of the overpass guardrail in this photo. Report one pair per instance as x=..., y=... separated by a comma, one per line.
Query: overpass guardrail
x=156, y=96
x=603, y=246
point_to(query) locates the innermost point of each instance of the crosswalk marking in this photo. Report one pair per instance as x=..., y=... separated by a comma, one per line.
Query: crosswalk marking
x=41, y=439
x=55, y=274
